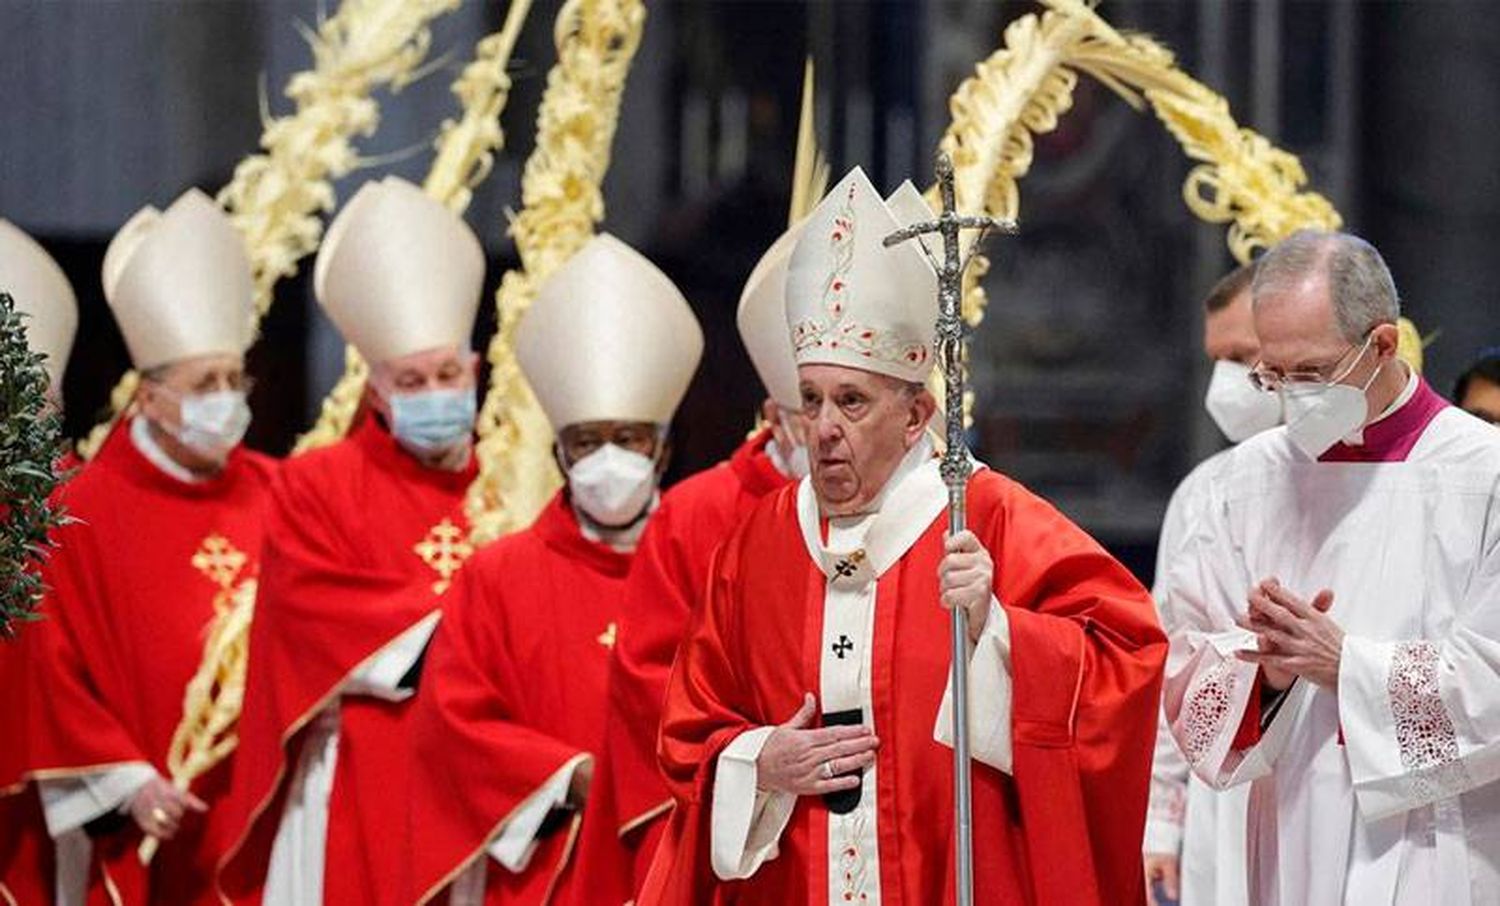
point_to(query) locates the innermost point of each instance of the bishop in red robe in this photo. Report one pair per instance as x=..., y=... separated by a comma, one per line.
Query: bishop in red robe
x=167, y=528
x=806, y=732
x=513, y=706
x=363, y=537
x=630, y=803
x=41, y=290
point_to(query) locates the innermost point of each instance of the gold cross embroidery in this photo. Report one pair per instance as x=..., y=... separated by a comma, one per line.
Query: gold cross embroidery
x=608, y=636
x=444, y=549
x=219, y=560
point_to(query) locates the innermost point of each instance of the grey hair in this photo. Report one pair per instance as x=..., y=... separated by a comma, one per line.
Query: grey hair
x=1359, y=283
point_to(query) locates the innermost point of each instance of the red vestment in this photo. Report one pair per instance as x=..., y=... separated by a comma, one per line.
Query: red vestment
x=131, y=589
x=513, y=691
x=26, y=868
x=361, y=538
x=1086, y=659
x=27, y=871
x=629, y=800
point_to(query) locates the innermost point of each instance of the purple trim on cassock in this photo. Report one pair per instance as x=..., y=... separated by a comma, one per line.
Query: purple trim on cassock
x=1391, y=438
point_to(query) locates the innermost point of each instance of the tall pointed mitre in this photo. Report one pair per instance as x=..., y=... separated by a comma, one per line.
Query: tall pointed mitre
x=852, y=301
x=762, y=321
x=399, y=273
x=178, y=282
x=609, y=338
x=41, y=290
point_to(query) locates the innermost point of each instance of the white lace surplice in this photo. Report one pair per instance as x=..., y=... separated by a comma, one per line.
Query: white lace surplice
x=1384, y=793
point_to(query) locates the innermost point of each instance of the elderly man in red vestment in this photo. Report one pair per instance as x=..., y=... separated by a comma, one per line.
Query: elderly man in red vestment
x=42, y=292
x=168, y=525
x=513, y=701
x=629, y=801
x=363, y=536
x=806, y=724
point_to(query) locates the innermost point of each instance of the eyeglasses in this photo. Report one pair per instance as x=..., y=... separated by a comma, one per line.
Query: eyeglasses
x=1273, y=381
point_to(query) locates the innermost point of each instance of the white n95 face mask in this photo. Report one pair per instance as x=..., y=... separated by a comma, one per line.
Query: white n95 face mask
x=1238, y=407
x=213, y=423
x=1321, y=416
x=612, y=485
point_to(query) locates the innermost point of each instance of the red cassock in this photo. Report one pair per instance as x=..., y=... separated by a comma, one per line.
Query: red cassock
x=26, y=867
x=512, y=692
x=26, y=864
x=1086, y=659
x=361, y=539
x=629, y=801
x=132, y=588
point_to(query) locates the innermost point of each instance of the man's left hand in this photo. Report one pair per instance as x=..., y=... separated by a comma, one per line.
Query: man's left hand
x=966, y=579
x=1295, y=636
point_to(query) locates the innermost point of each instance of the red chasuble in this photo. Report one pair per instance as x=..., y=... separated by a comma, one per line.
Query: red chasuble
x=629, y=800
x=27, y=872
x=513, y=690
x=1086, y=658
x=26, y=868
x=360, y=540
x=132, y=588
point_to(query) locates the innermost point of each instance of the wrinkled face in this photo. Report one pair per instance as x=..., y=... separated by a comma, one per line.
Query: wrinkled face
x=163, y=389
x=1229, y=333
x=578, y=440
x=859, y=426
x=443, y=368
x=1482, y=399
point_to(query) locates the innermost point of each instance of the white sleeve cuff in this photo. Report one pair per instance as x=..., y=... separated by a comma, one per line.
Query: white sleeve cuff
x=516, y=841
x=71, y=802
x=747, y=822
x=989, y=695
x=381, y=674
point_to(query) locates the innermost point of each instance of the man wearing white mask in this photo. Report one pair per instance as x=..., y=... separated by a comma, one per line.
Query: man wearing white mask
x=1194, y=847
x=630, y=803
x=364, y=535
x=167, y=520
x=804, y=732
x=514, y=701
x=1336, y=637
x=41, y=292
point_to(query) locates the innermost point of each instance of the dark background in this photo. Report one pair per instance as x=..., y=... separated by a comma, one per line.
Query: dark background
x=1088, y=367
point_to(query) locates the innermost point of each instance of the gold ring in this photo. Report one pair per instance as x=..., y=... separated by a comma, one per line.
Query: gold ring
x=159, y=815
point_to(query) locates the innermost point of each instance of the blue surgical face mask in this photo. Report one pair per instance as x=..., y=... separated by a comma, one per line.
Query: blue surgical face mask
x=431, y=422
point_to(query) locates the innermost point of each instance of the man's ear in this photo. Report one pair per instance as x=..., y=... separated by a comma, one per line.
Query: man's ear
x=923, y=407
x=664, y=458
x=1386, y=338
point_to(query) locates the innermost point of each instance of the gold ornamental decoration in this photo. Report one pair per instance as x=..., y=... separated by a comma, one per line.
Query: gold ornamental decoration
x=276, y=196
x=465, y=156
x=1026, y=86
x=562, y=201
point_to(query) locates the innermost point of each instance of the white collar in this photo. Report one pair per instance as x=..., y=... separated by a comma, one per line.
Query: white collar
x=140, y=436
x=912, y=497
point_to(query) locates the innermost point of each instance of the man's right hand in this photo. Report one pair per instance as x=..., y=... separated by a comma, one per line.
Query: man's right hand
x=807, y=762
x=1162, y=868
x=158, y=807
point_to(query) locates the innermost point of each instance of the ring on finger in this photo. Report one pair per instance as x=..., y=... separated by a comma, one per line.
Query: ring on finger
x=159, y=815
x=827, y=770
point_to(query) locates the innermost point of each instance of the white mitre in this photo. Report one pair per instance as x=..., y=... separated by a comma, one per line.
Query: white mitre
x=399, y=273
x=178, y=282
x=762, y=322
x=852, y=301
x=609, y=338
x=41, y=290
